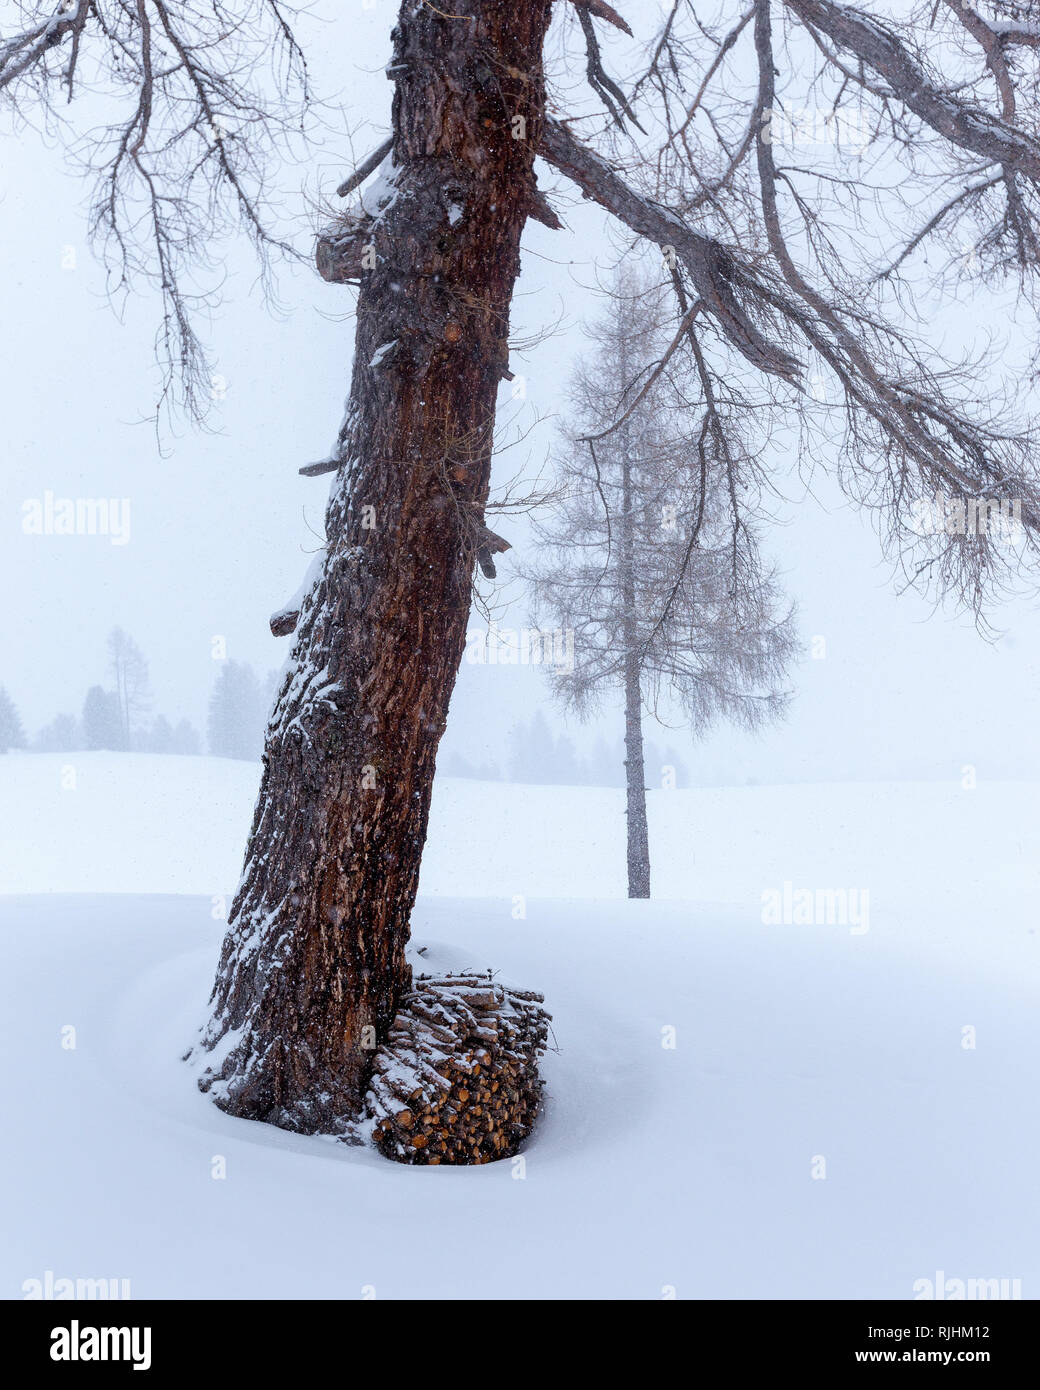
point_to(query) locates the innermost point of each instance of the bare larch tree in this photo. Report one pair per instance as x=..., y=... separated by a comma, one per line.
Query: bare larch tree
x=784, y=271
x=130, y=683
x=667, y=600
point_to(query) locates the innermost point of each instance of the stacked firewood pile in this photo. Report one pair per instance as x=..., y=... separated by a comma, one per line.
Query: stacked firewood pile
x=457, y=1079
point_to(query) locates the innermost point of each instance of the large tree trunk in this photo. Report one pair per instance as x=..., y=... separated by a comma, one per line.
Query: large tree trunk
x=635, y=772
x=314, y=959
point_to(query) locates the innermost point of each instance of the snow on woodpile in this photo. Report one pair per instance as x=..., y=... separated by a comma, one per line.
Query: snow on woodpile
x=457, y=1080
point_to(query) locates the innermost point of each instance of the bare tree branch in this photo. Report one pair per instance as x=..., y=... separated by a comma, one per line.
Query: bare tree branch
x=963, y=123
x=714, y=270
x=215, y=95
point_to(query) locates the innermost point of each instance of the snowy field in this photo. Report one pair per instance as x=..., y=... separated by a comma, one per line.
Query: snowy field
x=799, y=1048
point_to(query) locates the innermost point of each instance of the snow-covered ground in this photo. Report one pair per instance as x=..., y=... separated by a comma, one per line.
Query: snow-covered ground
x=798, y=1049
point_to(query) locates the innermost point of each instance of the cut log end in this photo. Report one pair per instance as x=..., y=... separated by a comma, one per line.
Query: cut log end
x=457, y=1079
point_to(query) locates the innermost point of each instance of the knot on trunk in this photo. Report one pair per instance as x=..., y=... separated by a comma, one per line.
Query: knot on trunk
x=457, y=1079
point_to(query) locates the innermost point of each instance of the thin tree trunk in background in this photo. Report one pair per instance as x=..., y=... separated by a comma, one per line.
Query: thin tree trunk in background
x=313, y=962
x=635, y=772
x=635, y=783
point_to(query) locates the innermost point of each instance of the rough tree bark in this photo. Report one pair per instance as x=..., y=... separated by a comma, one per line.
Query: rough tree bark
x=313, y=963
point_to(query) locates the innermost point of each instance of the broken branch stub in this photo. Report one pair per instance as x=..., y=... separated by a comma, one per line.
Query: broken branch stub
x=602, y=10
x=340, y=255
x=284, y=623
x=488, y=544
x=365, y=169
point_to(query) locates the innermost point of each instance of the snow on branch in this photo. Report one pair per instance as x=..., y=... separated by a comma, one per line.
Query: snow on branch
x=962, y=123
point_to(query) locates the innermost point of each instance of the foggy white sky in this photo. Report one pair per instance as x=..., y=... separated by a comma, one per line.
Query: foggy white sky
x=222, y=527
